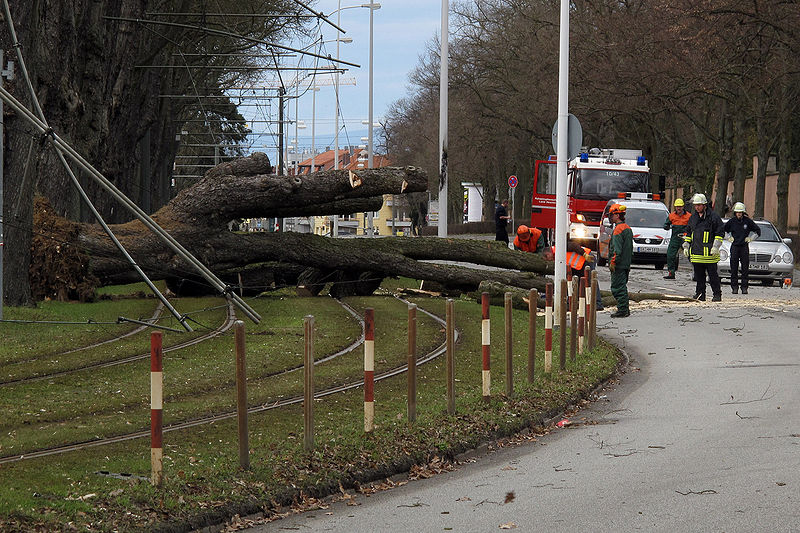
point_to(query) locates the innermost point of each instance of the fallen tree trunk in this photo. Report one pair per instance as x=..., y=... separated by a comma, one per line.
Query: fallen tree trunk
x=197, y=218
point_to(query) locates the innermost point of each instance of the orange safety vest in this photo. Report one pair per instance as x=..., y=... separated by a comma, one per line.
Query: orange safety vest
x=530, y=244
x=575, y=260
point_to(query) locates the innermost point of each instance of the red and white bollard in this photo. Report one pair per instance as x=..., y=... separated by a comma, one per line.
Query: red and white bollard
x=485, y=346
x=156, y=410
x=369, y=370
x=581, y=313
x=548, y=328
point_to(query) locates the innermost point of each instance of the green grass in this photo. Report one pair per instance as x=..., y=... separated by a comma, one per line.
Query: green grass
x=201, y=463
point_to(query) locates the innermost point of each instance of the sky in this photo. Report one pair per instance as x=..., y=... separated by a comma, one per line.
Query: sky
x=401, y=31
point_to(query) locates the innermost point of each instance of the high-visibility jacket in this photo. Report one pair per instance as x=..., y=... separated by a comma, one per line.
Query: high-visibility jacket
x=679, y=225
x=620, y=248
x=575, y=260
x=703, y=232
x=531, y=245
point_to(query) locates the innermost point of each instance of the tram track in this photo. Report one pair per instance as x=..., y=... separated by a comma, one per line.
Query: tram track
x=230, y=319
x=56, y=450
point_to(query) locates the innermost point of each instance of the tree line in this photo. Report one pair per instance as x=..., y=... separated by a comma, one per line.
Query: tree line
x=701, y=87
x=116, y=90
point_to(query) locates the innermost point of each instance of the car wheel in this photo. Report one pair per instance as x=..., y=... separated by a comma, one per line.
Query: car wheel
x=768, y=282
x=659, y=266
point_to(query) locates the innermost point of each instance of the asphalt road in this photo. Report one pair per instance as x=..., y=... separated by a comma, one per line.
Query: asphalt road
x=701, y=433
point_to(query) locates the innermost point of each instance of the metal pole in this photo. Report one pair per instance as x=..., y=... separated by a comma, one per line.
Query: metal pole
x=443, y=81
x=313, y=129
x=335, y=222
x=370, y=149
x=561, y=155
x=281, y=131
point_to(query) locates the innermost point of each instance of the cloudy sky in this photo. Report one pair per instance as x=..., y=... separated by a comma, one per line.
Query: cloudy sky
x=402, y=29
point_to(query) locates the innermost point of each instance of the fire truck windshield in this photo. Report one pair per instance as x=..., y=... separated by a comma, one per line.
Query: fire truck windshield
x=602, y=184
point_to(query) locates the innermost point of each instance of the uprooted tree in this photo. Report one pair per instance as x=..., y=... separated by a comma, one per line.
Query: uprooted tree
x=70, y=259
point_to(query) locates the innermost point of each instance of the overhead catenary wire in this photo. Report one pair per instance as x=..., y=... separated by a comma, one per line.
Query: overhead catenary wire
x=230, y=34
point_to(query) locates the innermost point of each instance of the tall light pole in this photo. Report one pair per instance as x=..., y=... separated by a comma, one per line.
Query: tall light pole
x=443, y=81
x=370, y=147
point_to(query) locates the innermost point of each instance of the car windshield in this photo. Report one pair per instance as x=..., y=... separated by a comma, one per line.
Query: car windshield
x=768, y=233
x=645, y=218
x=596, y=184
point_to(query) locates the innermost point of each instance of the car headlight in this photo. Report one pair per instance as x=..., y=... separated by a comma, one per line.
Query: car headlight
x=777, y=259
x=723, y=254
x=787, y=257
x=579, y=231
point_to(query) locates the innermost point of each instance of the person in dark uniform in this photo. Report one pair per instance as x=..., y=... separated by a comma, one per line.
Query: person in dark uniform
x=501, y=219
x=701, y=245
x=740, y=230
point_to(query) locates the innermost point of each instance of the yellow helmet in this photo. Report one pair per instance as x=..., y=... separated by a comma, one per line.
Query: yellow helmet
x=678, y=202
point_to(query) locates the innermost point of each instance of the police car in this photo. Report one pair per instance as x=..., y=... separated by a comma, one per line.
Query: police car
x=645, y=214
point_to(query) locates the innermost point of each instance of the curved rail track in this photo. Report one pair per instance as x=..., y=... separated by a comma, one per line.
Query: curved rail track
x=225, y=326
x=252, y=410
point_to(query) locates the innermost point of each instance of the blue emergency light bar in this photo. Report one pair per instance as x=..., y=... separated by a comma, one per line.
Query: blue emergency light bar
x=584, y=157
x=641, y=160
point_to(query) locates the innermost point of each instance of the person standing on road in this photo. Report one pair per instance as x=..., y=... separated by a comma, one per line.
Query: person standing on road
x=529, y=239
x=742, y=230
x=620, y=253
x=701, y=246
x=677, y=221
x=501, y=219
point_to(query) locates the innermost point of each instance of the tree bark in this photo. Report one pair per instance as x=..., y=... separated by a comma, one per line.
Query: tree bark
x=197, y=218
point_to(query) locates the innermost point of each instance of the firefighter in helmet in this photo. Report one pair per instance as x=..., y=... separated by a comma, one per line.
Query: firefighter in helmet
x=740, y=230
x=677, y=221
x=701, y=245
x=620, y=253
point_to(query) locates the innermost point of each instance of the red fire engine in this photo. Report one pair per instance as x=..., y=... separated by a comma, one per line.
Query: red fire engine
x=594, y=178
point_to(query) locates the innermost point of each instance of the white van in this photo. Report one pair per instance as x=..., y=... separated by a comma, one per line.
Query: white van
x=645, y=214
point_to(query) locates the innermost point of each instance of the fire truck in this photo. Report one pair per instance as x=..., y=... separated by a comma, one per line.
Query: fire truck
x=594, y=177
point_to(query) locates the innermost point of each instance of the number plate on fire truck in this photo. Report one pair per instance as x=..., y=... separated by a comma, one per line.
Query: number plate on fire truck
x=645, y=249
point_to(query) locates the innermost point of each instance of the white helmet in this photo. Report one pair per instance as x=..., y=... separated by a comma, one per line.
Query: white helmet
x=699, y=198
x=738, y=207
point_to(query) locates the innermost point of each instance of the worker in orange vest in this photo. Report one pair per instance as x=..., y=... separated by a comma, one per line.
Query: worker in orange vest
x=528, y=239
x=577, y=257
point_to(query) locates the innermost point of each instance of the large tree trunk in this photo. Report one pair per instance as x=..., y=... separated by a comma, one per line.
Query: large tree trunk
x=198, y=216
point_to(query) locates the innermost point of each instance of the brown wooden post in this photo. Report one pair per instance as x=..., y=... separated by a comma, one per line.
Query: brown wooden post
x=156, y=410
x=412, y=362
x=241, y=395
x=573, y=320
x=562, y=331
x=308, y=382
x=450, y=331
x=509, y=345
x=533, y=302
